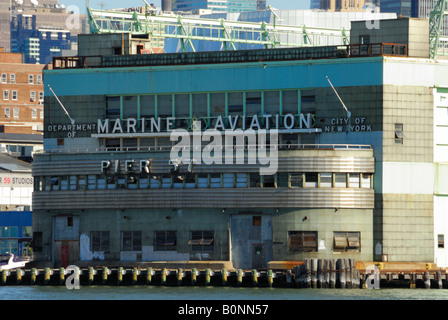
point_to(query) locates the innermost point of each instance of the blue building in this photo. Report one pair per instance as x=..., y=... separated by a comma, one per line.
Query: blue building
x=220, y=5
x=15, y=232
x=407, y=8
x=39, y=44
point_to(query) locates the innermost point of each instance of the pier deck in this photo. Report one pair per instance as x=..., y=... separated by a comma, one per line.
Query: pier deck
x=311, y=273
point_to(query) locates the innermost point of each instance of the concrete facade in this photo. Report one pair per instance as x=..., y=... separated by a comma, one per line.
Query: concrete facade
x=359, y=187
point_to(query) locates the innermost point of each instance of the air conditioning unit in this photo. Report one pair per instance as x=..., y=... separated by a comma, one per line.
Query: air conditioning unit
x=13, y=81
x=33, y=99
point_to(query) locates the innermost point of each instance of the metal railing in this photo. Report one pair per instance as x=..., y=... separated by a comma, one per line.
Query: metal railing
x=279, y=54
x=288, y=146
x=378, y=49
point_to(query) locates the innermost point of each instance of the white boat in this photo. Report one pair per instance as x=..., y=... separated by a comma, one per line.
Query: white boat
x=12, y=263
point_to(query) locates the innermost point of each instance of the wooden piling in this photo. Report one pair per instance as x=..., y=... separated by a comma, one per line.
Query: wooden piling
x=307, y=273
x=148, y=275
x=135, y=274
x=48, y=273
x=254, y=277
x=19, y=274
x=163, y=277
x=240, y=277
x=5, y=274
x=320, y=273
x=119, y=275
x=224, y=276
x=92, y=273
x=439, y=279
x=34, y=273
x=194, y=274
x=270, y=278
x=180, y=276
x=207, y=276
x=427, y=280
x=105, y=274
x=340, y=276
x=61, y=275
x=313, y=272
x=412, y=281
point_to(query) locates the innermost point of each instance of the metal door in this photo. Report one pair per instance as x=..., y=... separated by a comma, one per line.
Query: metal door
x=258, y=258
x=64, y=256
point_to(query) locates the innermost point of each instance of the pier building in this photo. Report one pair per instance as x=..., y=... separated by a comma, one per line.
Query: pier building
x=351, y=180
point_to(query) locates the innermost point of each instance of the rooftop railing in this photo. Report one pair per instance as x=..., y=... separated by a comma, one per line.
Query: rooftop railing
x=264, y=55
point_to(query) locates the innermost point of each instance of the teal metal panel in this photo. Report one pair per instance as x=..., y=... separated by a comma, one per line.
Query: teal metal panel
x=214, y=77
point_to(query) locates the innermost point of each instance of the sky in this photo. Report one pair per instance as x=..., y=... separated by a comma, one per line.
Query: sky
x=107, y=4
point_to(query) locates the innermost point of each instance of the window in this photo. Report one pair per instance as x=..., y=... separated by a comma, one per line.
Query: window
x=165, y=240
x=113, y=107
x=7, y=112
x=14, y=95
x=366, y=180
x=41, y=96
x=269, y=181
x=16, y=113
x=27, y=231
x=353, y=180
x=340, y=180
x=255, y=181
x=99, y=241
x=39, y=79
x=296, y=180
x=4, y=78
x=364, y=39
x=201, y=240
x=41, y=114
x=130, y=106
x=256, y=221
x=12, y=78
x=34, y=114
x=31, y=78
x=311, y=179
x=326, y=180
x=131, y=240
x=33, y=95
x=9, y=232
x=302, y=241
x=69, y=221
x=399, y=133
x=347, y=241
x=440, y=241
x=10, y=246
x=5, y=94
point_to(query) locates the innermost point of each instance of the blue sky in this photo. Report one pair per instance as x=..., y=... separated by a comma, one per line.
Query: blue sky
x=279, y=4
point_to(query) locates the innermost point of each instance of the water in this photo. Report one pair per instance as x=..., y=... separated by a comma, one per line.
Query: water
x=212, y=293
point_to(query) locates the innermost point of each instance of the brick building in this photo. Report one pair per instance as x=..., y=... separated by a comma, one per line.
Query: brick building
x=21, y=104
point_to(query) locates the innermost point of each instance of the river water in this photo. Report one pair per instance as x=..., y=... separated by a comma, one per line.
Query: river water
x=212, y=293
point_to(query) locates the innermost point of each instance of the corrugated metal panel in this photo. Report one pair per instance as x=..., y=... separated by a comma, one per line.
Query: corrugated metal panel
x=206, y=198
x=42, y=167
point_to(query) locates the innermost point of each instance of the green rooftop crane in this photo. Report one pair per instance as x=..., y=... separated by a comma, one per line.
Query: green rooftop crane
x=435, y=27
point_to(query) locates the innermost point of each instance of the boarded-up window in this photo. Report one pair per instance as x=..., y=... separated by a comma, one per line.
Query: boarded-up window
x=347, y=241
x=302, y=241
